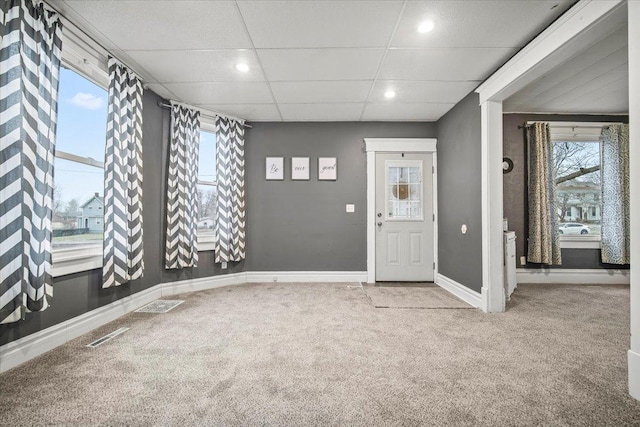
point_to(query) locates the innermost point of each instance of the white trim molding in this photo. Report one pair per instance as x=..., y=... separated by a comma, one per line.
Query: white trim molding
x=25, y=349
x=634, y=174
x=573, y=276
x=396, y=145
x=469, y=296
x=74, y=260
x=544, y=52
x=306, y=276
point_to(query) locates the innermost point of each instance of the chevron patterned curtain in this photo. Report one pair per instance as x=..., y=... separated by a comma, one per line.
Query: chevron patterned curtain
x=30, y=47
x=182, y=181
x=230, y=215
x=544, y=236
x=616, y=237
x=123, y=249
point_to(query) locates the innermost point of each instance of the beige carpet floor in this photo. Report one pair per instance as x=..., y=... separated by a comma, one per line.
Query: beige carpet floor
x=413, y=297
x=321, y=354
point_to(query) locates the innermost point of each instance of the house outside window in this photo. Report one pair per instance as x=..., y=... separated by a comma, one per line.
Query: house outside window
x=207, y=190
x=576, y=155
x=77, y=225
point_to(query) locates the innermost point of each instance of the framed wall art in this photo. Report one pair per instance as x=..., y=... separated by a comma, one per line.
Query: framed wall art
x=274, y=169
x=327, y=168
x=299, y=168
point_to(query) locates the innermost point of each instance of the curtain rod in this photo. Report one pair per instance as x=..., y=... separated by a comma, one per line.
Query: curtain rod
x=168, y=107
x=571, y=125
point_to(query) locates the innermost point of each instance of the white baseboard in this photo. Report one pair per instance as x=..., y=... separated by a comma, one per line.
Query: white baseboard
x=24, y=349
x=467, y=295
x=306, y=276
x=573, y=276
x=634, y=374
x=203, y=283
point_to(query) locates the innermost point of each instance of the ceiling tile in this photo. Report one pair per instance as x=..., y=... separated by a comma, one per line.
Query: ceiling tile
x=320, y=64
x=321, y=92
x=250, y=112
x=394, y=111
x=443, y=64
x=422, y=91
x=466, y=23
x=174, y=66
x=290, y=24
x=320, y=112
x=158, y=25
x=222, y=93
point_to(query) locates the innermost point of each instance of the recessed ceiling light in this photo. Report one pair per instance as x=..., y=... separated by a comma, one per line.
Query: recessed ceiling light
x=389, y=94
x=242, y=67
x=426, y=26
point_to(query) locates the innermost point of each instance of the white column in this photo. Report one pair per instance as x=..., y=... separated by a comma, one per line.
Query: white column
x=493, y=297
x=634, y=168
x=371, y=217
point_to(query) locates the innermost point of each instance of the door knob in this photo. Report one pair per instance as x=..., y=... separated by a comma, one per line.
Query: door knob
x=379, y=224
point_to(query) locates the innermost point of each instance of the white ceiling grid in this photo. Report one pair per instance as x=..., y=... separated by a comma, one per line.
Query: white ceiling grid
x=313, y=60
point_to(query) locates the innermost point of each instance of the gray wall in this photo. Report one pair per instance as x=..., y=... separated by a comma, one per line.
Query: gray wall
x=515, y=187
x=459, y=198
x=302, y=225
x=76, y=294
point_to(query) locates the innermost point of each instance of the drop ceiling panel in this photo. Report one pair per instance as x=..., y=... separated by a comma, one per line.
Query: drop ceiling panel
x=320, y=112
x=475, y=23
x=199, y=65
x=250, y=112
x=321, y=92
x=409, y=111
x=320, y=64
x=289, y=24
x=222, y=93
x=419, y=91
x=443, y=64
x=158, y=25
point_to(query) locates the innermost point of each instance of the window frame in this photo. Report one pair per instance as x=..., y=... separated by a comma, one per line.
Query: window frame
x=74, y=260
x=571, y=241
x=207, y=243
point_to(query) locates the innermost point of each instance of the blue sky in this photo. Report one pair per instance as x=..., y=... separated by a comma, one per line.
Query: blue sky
x=82, y=123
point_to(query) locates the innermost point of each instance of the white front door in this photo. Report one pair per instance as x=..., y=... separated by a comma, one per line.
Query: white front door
x=404, y=217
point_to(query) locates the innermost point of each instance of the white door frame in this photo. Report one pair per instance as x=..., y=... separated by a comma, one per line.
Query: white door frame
x=396, y=145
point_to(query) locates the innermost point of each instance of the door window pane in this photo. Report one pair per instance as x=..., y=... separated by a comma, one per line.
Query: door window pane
x=404, y=192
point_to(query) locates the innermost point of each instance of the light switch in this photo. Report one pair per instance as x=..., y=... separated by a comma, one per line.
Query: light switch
x=351, y=208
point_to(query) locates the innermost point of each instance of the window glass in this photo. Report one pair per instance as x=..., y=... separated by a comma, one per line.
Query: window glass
x=404, y=192
x=578, y=187
x=207, y=190
x=79, y=187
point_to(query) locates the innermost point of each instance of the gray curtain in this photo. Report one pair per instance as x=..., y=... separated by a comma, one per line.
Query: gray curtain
x=616, y=237
x=182, y=180
x=230, y=213
x=123, y=250
x=30, y=47
x=544, y=237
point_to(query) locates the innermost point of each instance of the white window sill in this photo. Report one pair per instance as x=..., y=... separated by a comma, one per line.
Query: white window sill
x=68, y=261
x=206, y=243
x=580, y=242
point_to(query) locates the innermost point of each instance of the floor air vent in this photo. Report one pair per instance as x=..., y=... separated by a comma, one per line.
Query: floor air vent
x=107, y=337
x=159, y=306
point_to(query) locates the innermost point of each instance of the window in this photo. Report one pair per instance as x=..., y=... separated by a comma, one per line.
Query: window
x=207, y=187
x=78, y=169
x=576, y=158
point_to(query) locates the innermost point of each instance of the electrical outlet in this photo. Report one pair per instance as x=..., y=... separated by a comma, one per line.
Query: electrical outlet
x=523, y=260
x=223, y=265
x=351, y=208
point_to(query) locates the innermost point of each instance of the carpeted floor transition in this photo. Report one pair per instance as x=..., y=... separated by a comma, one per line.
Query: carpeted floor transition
x=322, y=354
